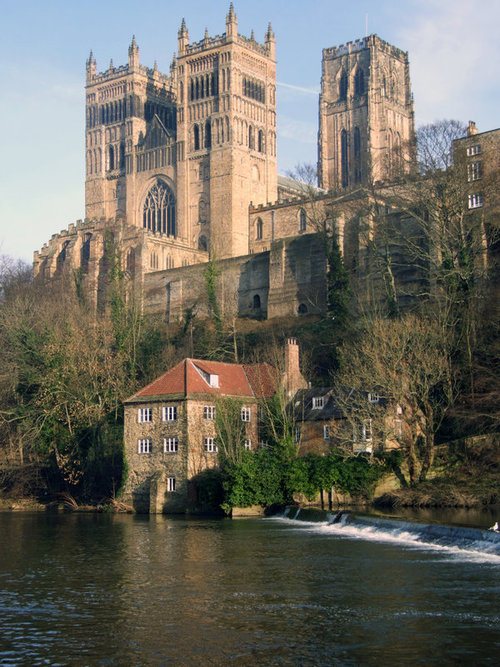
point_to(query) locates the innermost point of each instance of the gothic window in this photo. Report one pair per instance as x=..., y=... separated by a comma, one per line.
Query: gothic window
x=159, y=209
x=250, y=137
x=359, y=82
x=357, y=143
x=261, y=142
x=302, y=220
x=62, y=256
x=259, y=228
x=202, y=243
x=196, y=131
x=122, y=156
x=344, y=158
x=343, y=86
x=130, y=262
x=384, y=87
x=85, y=253
x=208, y=134
x=111, y=158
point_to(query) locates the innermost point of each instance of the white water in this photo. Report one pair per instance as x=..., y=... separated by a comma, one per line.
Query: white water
x=463, y=543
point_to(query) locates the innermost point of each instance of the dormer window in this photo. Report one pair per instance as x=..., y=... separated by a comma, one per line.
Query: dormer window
x=213, y=380
x=318, y=402
x=373, y=398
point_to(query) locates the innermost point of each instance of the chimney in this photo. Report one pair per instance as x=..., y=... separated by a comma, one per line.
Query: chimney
x=293, y=379
x=471, y=129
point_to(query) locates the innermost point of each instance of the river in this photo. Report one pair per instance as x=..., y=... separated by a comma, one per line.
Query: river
x=94, y=589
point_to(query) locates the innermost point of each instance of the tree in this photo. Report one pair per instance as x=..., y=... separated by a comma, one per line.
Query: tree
x=406, y=361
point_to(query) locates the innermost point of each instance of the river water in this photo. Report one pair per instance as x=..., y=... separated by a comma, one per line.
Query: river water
x=84, y=589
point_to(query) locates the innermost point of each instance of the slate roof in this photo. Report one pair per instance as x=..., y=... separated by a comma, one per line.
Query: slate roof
x=191, y=377
x=303, y=405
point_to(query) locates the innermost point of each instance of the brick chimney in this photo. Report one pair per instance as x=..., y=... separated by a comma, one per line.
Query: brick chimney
x=293, y=379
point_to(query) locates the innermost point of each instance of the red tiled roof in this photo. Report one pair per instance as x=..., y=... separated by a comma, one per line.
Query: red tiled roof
x=234, y=380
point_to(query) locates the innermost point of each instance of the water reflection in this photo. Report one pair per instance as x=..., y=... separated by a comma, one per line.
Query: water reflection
x=122, y=590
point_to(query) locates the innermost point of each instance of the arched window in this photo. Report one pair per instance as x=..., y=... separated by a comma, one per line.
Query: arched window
x=261, y=142
x=202, y=243
x=208, y=134
x=111, y=158
x=85, y=253
x=250, y=136
x=343, y=86
x=196, y=131
x=344, y=158
x=302, y=220
x=259, y=227
x=159, y=209
x=130, y=265
x=359, y=82
x=302, y=309
x=357, y=143
x=122, y=156
x=256, y=301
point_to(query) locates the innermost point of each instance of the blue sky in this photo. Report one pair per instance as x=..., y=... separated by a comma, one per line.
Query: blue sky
x=454, y=50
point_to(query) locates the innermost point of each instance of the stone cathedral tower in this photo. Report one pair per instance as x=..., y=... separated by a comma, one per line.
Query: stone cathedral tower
x=226, y=134
x=366, y=119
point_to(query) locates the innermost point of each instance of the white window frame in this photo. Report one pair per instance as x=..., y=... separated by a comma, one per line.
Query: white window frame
x=170, y=445
x=209, y=412
x=474, y=171
x=373, y=397
x=209, y=445
x=144, y=415
x=245, y=414
x=170, y=484
x=318, y=403
x=144, y=446
x=475, y=200
x=248, y=443
x=169, y=413
x=326, y=432
x=362, y=432
x=474, y=150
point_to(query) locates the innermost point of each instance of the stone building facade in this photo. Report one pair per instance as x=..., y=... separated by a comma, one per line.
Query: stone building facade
x=181, y=168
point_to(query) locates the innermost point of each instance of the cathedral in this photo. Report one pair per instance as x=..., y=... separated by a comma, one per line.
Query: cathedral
x=181, y=169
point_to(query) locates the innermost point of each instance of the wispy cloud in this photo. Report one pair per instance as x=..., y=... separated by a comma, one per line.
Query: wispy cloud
x=298, y=89
x=303, y=132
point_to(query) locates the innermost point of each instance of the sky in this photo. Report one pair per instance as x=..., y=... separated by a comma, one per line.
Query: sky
x=453, y=45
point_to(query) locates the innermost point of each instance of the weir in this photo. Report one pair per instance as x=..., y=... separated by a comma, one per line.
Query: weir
x=358, y=526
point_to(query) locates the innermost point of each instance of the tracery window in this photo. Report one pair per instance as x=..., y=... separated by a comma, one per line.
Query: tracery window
x=159, y=210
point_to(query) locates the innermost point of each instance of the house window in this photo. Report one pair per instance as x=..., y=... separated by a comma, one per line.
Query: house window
x=170, y=484
x=373, y=398
x=248, y=443
x=398, y=428
x=475, y=200
x=302, y=220
x=474, y=150
x=145, y=415
x=297, y=434
x=326, y=432
x=245, y=414
x=318, y=402
x=363, y=432
x=474, y=171
x=209, y=445
x=209, y=412
x=170, y=445
x=144, y=446
x=170, y=413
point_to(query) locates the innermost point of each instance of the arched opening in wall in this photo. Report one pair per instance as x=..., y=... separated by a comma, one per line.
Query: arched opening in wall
x=158, y=212
x=130, y=263
x=208, y=134
x=357, y=155
x=344, y=158
x=302, y=309
x=398, y=162
x=61, y=257
x=196, y=132
x=122, y=155
x=359, y=82
x=259, y=228
x=85, y=253
x=256, y=302
x=111, y=158
x=343, y=86
x=250, y=137
x=302, y=220
x=384, y=86
x=202, y=243
x=261, y=142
